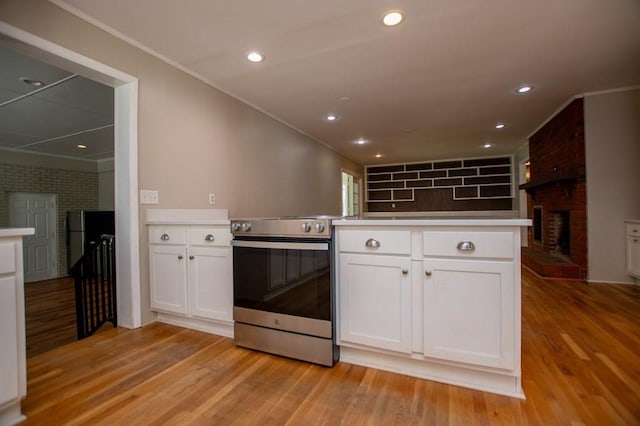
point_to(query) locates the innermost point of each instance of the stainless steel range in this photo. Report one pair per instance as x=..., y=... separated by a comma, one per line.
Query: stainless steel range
x=283, y=287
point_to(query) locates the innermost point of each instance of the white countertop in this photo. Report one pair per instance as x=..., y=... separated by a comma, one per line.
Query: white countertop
x=16, y=232
x=187, y=216
x=440, y=221
x=636, y=221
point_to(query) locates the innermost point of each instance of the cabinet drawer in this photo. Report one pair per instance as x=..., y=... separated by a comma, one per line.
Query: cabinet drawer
x=633, y=229
x=7, y=258
x=210, y=236
x=375, y=241
x=167, y=235
x=493, y=244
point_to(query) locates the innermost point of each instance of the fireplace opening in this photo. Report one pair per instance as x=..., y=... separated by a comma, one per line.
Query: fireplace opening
x=559, y=232
x=537, y=224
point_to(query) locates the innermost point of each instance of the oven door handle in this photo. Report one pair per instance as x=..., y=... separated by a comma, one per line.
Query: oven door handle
x=281, y=245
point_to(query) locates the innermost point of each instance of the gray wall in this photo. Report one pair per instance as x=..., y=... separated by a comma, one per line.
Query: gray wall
x=194, y=140
x=612, y=145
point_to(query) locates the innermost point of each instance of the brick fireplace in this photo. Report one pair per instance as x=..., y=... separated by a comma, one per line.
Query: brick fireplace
x=557, y=196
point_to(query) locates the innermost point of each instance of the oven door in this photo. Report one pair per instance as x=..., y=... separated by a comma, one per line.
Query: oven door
x=291, y=277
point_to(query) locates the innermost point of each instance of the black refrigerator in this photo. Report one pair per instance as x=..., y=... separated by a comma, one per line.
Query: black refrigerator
x=83, y=228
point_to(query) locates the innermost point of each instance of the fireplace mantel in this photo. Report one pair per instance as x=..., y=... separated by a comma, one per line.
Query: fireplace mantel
x=563, y=181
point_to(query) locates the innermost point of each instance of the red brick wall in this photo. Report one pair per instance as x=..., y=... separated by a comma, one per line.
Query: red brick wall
x=557, y=150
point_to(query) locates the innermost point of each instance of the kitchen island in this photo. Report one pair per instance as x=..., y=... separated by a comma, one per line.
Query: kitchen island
x=435, y=298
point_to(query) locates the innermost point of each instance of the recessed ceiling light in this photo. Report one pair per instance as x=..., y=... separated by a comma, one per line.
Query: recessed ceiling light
x=344, y=99
x=524, y=89
x=32, y=81
x=82, y=146
x=255, y=57
x=360, y=141
x=500, y=126
x=331, y=117
x=486, y=145
x=392, y=17
x=378, y=155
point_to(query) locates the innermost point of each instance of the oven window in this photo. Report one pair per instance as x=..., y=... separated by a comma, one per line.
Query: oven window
x=285, y=281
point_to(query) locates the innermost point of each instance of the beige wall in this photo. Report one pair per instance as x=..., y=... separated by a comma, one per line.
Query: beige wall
x=612, y=147
x=194, y=140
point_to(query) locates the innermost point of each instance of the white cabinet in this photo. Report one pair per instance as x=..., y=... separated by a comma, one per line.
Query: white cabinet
x=437, y=299
x=190, y=262
x=633, y=249
x=13, y=375
x=375, y=301
x=469, y=312
x=168, y=277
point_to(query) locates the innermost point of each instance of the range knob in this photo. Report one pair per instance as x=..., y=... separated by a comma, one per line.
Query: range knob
x=245, y=227
x=319, y=227
x=235, y=226
x=305, y=227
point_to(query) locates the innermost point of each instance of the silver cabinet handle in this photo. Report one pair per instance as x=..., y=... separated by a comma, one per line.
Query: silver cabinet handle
x=405, y=271
x=180, y=257
x=427, y=273
x=191, y=257
x=372, y=243
x=466, y=246
x=209, y=237
x=164, y=237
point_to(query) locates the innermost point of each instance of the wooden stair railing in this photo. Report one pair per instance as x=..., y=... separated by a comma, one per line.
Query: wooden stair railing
x=95, y=287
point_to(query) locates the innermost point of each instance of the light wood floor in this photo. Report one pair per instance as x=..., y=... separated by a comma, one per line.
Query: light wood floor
x=581, y=365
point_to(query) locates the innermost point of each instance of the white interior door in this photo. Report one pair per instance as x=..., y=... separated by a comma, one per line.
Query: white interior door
x=28, y=210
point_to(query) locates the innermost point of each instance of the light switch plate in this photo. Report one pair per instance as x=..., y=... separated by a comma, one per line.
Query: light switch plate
x=212, y=198
x=148, y=196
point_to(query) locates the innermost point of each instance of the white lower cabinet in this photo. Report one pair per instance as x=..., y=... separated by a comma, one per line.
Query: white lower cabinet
x=469, y=312
x=375, y=296
x=191, y=271
x=439, y=301
x=210, y=279
x=168, y=276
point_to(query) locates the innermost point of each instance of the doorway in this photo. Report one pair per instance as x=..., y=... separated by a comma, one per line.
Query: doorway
x=30, y=210
x=125, y=159
x=350, y=194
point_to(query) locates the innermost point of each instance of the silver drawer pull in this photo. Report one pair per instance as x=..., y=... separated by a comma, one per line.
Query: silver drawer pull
x=191, y=257
x=179, y=257
x=466, y=246
x=405, y=271
x=164, y=237
x=209, y=237
x=427, y=273
x=372, y=243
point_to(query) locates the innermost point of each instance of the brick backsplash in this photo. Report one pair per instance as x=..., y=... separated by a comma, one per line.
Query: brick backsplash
x=465, y=184
x=73, y=190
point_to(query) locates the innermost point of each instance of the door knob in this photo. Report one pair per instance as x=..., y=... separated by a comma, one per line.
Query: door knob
x=427, y=273
x=191, y=257
x=405, y=271
x=180, y=257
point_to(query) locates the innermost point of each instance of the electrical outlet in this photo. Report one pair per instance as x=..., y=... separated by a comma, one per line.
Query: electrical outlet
x=149, y=196
x=212, y=198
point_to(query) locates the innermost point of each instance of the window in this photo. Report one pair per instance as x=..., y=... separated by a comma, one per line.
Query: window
x=350, y=194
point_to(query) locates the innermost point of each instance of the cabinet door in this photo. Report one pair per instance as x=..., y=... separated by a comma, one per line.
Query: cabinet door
x=469, y=312
x=633, y=256
x=375, y=301
x=9, y=330
x=210, y=270
x=168, y=277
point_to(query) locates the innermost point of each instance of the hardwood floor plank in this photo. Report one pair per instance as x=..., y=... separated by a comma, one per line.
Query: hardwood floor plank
x=580, y=365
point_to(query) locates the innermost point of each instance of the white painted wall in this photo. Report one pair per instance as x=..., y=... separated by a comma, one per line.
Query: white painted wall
x=612, y=147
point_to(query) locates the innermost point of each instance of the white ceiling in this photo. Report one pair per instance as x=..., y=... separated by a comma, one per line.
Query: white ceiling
x=431, y=88
x=53, y=119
